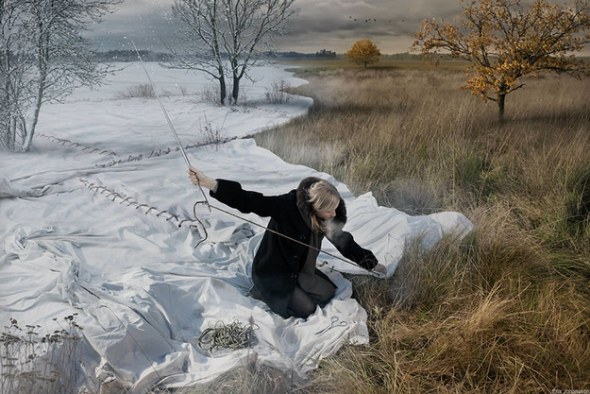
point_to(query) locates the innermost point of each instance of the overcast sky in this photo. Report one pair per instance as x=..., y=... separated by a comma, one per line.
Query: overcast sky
x=319, y=24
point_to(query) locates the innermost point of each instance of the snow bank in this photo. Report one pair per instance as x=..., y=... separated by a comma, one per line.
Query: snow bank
x=98, y=219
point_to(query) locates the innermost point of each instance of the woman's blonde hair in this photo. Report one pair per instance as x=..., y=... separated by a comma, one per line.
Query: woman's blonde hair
x=323, y=197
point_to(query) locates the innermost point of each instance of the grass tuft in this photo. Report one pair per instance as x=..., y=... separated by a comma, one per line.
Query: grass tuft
x=138, y=91
x=247, y=380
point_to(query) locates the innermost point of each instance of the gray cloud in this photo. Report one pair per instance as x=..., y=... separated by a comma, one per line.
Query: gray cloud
x=336, y=25
x=320, y=24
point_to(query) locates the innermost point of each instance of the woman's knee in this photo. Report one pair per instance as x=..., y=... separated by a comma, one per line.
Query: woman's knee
x=301, y=311
x=329, y=293
x=324, y=295
x=301, y=305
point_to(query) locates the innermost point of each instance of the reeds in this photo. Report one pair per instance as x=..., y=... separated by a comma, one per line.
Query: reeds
x=34, y=363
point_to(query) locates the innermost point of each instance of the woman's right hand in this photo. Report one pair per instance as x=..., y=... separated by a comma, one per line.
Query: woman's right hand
x=198, y=178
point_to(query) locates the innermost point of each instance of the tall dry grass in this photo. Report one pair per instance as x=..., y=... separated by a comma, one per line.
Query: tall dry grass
x=31, y=363
x=508, y=308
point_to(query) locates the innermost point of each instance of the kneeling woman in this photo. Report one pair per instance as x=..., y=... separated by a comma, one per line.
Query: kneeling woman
x=284, y=272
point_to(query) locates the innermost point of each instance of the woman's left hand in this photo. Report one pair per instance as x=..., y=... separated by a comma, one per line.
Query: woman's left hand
x=380, y=268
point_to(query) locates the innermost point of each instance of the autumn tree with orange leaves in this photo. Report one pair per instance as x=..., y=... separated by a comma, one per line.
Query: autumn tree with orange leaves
x=504, y=41
x=363, y=52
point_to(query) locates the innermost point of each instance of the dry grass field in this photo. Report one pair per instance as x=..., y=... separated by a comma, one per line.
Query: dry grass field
x=506, y=310
x=305, y=67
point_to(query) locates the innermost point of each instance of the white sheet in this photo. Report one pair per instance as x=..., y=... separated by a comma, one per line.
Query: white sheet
x=80, y=233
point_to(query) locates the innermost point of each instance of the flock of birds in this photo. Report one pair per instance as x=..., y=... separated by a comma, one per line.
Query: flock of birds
x=370, y=20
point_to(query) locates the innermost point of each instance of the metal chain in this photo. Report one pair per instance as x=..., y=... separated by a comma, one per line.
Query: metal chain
x=232, y=336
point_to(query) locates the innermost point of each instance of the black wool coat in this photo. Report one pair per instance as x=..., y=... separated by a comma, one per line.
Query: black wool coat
x=278, y=261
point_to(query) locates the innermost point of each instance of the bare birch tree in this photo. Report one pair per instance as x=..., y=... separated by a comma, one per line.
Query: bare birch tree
x=230, y=36
x=15, y=66
x=250, y=22
x=198, y=47
x=45, y=58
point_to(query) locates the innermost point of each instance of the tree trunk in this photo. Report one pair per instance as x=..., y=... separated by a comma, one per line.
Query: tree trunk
x=43, y=60
x=501, y=102
x=28, y=136
x=9, y=133
x=222, y=89
x=218, y=56
x=12, y=135
x=235, y=90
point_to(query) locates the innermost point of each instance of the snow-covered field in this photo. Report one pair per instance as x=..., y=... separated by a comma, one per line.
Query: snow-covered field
x=98, y=219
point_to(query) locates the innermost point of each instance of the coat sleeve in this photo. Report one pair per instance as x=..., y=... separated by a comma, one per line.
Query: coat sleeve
x=232, y=194
x=345, y=243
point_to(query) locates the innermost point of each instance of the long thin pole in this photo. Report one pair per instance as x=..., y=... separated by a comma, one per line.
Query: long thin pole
x=170, y=125
x=188, y=164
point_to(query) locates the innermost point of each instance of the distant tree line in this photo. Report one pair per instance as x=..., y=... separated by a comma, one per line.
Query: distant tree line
x=321, y=54
x=120, y=55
